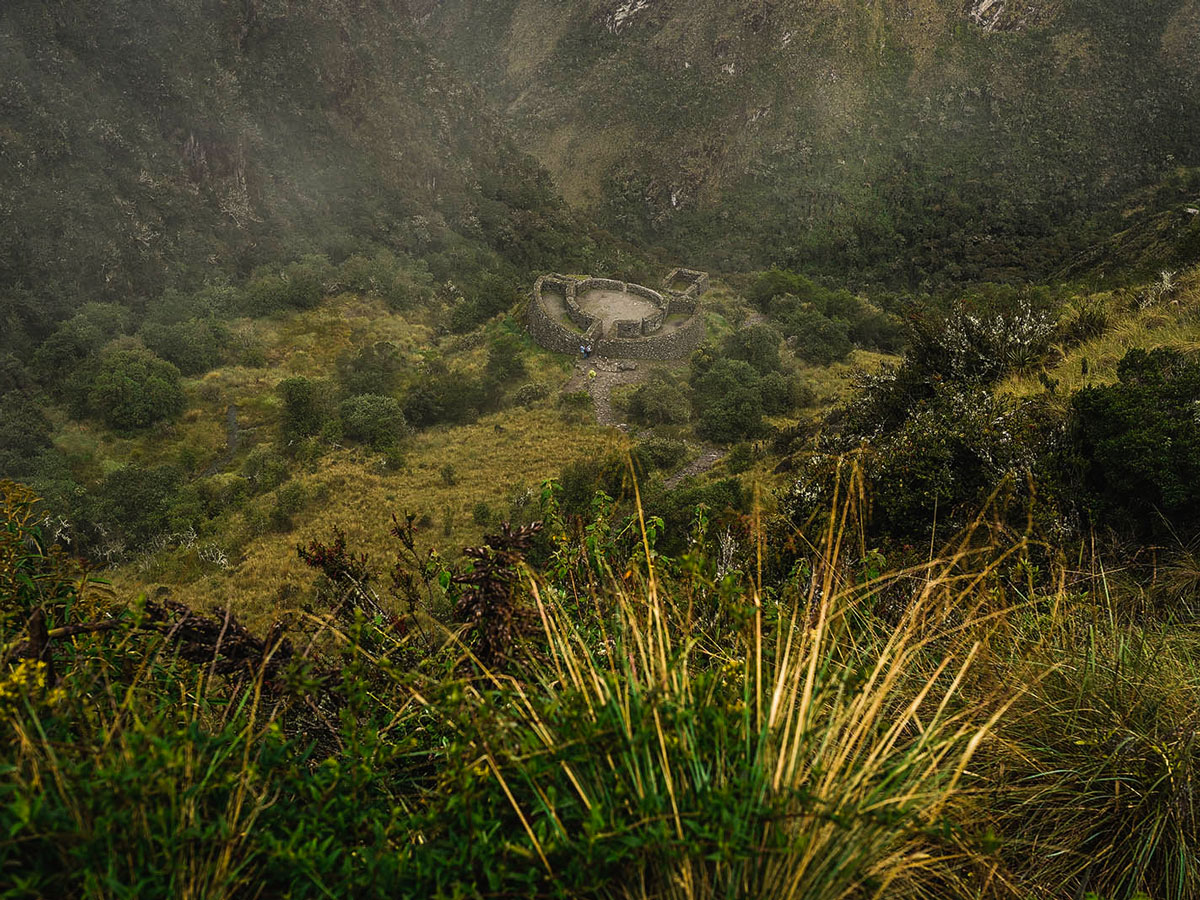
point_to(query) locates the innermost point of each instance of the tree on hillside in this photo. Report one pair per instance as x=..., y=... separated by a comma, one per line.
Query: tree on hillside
x=307, y=408
x=727, y=399
x=757, y=345
x=506, y=358
x=129, y=389
x=375, y=420
x=659, y=402
x=194, y=346
x=373, y=369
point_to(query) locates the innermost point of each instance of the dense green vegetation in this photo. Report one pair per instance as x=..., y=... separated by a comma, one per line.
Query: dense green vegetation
x=318, y=577
x=887, y=140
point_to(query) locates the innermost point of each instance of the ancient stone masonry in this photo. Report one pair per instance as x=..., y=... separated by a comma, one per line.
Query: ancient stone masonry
x=565, y=313
x=693, y=283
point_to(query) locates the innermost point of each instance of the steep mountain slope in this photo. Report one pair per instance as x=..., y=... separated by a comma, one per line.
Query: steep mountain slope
x=149, y=144
x=899, y=136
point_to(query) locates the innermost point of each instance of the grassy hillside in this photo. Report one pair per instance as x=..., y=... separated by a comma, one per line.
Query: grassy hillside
x=318, y=577
x=894, y=140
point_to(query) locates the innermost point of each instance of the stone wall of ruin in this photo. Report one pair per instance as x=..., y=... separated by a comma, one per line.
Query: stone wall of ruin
x=675, y=345
x=548, y=332
x=627, y=339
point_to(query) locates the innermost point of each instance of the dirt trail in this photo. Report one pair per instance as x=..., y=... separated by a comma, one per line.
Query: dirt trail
x=708, y=458
x=612, y=373
x=232, y=435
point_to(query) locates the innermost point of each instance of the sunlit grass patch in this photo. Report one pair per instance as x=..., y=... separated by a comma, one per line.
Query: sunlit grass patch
x=1172, y=321
x=349, y=488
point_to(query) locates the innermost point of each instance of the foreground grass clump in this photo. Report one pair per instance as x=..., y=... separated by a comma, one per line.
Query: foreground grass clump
x=664, y=728
x=1103, y=770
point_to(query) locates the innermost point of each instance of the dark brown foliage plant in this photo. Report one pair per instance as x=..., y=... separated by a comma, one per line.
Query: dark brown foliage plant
x=489, y=603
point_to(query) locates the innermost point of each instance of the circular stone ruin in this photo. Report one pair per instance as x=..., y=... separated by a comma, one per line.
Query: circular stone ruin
x=619, y=319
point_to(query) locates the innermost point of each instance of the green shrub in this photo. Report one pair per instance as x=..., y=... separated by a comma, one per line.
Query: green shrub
x=801, y=393
x=194, y=346
x=449, y=475
x=777, y=282
x=662, y=453
x=757, y=345
x=374, y=369
x=25, y=433
x=129, y=389
x=308, y=408
x=217, y=300
x=505, y=359
x=374, y=420
x=298, y=285
x=974, y=349
x=777, y=394
x=727, y=401
x=131, y=507
x=790, y=297
x=1137, y=443
x=739, y=459
x=400, y=283
x=264, y=469
x=290, y=499
x=659, y=401
x=79, y=338
x=529, y=394
x=484, y=297
x=1088, y=322
x=943, y=462
x=442, y=395
x=481, y=513
x=577, y=406
x=818, y=339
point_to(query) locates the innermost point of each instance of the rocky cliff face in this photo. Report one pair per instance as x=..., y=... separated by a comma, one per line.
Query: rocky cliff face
x=1010, y=15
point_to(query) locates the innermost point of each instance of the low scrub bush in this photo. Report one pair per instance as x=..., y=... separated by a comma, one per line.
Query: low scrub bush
x=194, y=346
x=817, y=339
x=662, y=453
x=727, y=401
x=308, y=409
x=290, y=499
x=659, y=401
x=298, y=285
x=374, y=420
x=758, y=345
x=445, y=396
x=1136, y=444
x=529, y=394
x=374, y=369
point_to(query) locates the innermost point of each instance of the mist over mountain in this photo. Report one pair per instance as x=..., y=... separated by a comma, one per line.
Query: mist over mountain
x=905, y=137
x=147, y=145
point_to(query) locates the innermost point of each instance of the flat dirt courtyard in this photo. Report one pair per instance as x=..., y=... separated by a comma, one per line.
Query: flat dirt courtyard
x=611, y=306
